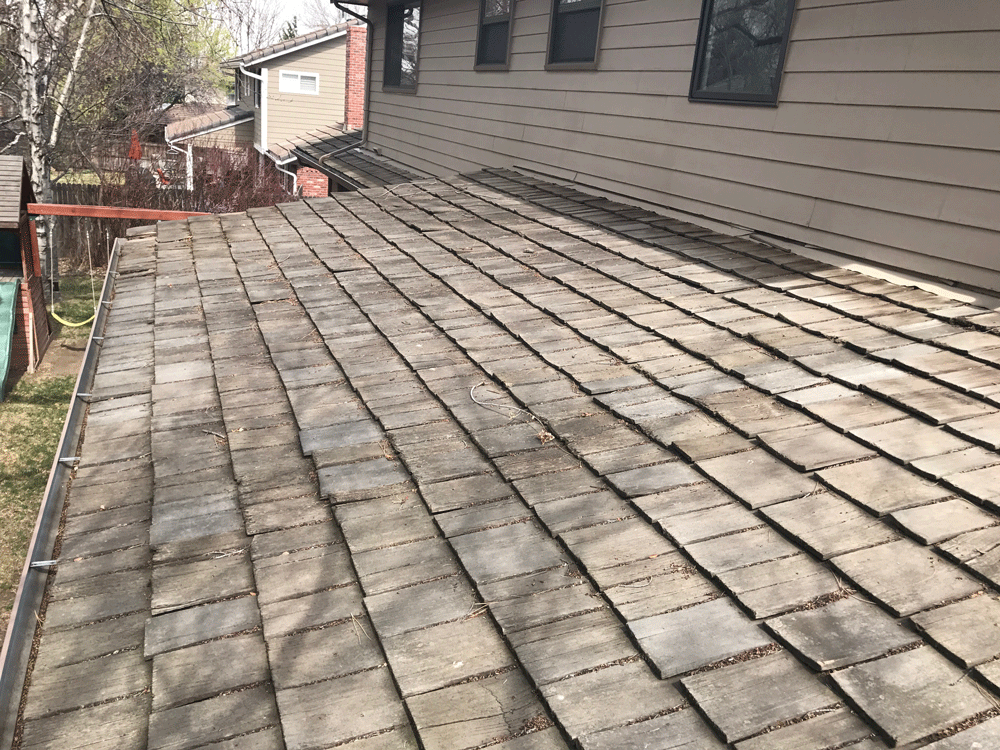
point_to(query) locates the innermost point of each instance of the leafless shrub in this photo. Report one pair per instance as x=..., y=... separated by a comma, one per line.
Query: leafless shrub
x=225, y=181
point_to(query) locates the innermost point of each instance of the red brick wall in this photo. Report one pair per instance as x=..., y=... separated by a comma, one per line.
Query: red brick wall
x=19, y=359
x=31, y=327
x=313, y=183
x=35, y=297
x=31, y=322
x=354, y=91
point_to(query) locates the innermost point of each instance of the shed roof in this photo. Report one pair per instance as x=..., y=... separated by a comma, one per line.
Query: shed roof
x=207, y=122
x=289, y=45
x=15, y=190
x=330, y=150
x=486, y=460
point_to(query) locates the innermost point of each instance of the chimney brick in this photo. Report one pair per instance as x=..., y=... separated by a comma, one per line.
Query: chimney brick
x=313, y=183
x=354, y=90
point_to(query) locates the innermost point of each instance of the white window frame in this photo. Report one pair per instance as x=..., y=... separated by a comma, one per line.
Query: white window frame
x=284, y=84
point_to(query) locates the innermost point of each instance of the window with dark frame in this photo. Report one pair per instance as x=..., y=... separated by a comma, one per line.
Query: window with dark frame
x=741, y=50
x=493, y=44
x=576, y=28
x=402, y=42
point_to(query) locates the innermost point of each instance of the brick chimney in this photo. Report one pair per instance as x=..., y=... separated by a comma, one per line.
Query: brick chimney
x=313, y=183
x=354, y=90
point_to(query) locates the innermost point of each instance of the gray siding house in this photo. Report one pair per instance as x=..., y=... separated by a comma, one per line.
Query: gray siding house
x=866, y=129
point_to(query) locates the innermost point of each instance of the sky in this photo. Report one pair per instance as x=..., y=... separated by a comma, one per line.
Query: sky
x=295, y=8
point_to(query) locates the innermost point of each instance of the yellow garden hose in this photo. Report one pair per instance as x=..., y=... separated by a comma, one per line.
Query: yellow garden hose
x=67, y=323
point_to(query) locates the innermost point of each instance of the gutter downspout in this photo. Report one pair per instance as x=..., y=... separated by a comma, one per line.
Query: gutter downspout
x=16, y=650
x=31, y=341
x=260, y=78
x=248, y=74
x=369, y=45
x=189, y=165
x=263, y=96
x=293, y=175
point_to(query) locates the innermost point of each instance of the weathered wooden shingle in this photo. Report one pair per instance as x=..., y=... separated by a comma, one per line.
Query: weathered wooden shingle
x=487, y=459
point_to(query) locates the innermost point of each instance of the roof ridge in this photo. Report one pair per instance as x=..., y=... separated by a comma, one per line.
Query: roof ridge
x=288, y=45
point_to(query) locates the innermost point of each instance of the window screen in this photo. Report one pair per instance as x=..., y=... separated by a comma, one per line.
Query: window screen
x=741, y=50
x=576, y=26
x=298, y=83
x=494, y=32
x=402, y=40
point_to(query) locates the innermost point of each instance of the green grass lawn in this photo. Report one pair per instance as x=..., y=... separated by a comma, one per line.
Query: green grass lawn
x=76, y=305
x=31, y=421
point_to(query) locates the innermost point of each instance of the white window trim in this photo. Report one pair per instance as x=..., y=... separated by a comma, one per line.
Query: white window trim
x=263, y=108
x=284, y=87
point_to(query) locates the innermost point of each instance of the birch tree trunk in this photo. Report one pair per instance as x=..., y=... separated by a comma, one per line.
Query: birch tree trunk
x=33, y=85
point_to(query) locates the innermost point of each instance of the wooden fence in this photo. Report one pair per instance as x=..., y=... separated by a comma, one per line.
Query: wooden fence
x=225, y=180
x=78, y=237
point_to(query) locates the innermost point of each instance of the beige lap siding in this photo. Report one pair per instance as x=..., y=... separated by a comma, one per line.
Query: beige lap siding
x=883, y=144
x=237, y=136
x=291, y=114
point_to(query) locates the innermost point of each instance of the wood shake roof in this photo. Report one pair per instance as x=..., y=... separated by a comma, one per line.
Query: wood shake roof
x=15, y=189
x=490, y=461
x=207, y=122
x=330, y=150
x=288, y=45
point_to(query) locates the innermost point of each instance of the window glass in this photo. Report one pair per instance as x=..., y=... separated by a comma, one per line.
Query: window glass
x=576, y=26
x=308, y=84
x=741, y=50
x=494, y=33
x=298, y=83
x=401, y=45
x=495, y=8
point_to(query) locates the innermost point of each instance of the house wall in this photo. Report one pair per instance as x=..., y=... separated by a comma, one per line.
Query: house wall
x=237, y=136
x=31, y=328
x=251, y=130
x=246, y=101
x=883, y=145
x=31, y=334
x=313, y=183
x=292, y=114
x=355, y=51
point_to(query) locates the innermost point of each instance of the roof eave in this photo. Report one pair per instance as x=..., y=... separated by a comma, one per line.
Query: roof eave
x=211, y=129
x=334, y=174
x=242, y=62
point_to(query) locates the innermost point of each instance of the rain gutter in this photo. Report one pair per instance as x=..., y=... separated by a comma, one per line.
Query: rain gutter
x=17, y=645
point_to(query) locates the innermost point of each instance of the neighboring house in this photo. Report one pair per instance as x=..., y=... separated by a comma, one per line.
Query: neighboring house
x=864, y=128
x=232, y=127
x=285, y=91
